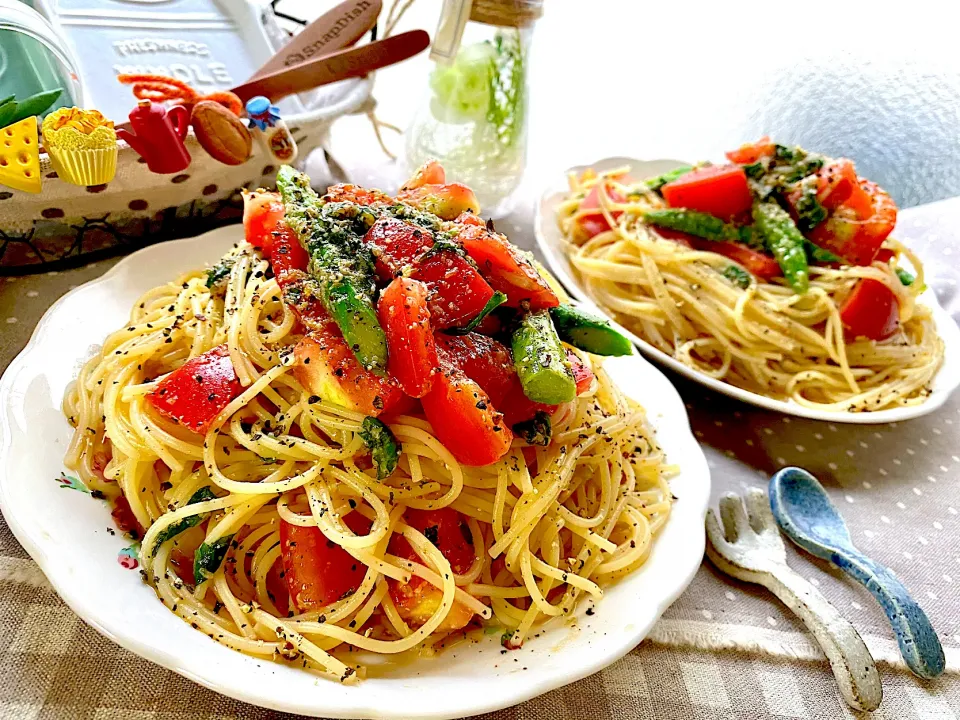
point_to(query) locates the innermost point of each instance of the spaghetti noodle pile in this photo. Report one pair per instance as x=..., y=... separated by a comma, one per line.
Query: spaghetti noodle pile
x=763, y=337
x=547, y=524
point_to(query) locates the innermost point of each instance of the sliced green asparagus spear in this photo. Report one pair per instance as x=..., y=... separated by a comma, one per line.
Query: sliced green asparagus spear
x=817, y=254
x=692, y=222
x=541, y=361
x=785, y=242
x=751, y=237
x=738, y=276
x=906, y=277
x=655, y=183
x=588, y=332
x=341, y=264
x=383, y=446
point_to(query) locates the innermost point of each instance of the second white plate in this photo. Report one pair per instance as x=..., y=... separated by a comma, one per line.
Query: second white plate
x=552, y=243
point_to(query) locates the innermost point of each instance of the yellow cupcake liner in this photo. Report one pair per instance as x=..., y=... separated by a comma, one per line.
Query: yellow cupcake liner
x=84, y=167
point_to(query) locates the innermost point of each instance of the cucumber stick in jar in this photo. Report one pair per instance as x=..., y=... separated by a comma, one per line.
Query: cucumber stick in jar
x=541, y=361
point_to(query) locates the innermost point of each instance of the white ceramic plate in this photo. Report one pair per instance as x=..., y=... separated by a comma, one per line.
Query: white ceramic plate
x=66, y=532
x=551, y=242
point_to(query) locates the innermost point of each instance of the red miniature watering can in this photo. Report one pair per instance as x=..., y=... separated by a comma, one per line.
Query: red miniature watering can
x=158, y=134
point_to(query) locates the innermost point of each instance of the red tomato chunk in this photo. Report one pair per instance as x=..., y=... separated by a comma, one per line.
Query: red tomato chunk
x=506, y=268
x=457, y=292
x=418, y=600
x=719, y=190
x=318, y=571
x=195, y=393
x=464, y=418
x=871, y=310
x=412, y=354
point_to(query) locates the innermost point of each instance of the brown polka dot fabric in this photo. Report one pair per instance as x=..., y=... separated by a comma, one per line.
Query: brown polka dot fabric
x=137, y=207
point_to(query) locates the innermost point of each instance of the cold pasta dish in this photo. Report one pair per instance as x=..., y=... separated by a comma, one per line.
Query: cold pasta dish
x=373, y=428
x=775, y=272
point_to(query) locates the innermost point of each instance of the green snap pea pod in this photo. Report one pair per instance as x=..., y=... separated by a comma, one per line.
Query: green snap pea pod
x=383, y=445
x=785, y=242
x=588, y=332
x=35, y=104
x=8, y=108
x=541, y=361
x=342, y=266
x=692, y=222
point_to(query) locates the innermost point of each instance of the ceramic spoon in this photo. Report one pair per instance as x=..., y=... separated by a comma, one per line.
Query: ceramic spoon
x=804, y=512
x=749, y=548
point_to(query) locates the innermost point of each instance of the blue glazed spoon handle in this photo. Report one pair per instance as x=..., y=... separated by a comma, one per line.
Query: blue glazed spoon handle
x=919, y=644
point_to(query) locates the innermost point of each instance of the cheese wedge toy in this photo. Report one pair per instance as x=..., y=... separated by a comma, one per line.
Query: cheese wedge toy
x=20, y=156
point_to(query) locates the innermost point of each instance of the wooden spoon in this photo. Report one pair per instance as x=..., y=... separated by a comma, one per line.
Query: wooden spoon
x=341, y=65
x=336, y=29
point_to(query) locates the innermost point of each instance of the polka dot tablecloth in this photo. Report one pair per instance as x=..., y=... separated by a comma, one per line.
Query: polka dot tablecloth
x=723, y=650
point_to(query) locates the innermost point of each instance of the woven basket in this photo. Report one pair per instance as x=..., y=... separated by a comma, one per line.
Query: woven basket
x=69, y=224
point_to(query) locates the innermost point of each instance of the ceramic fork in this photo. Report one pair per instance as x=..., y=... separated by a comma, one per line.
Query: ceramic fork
x=748, y=547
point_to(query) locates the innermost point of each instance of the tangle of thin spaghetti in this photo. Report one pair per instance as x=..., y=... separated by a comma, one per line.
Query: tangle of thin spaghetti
x=764, y=338
x=548, y=524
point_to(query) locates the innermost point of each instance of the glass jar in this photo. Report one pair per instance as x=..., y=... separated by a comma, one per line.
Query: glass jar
x=34, y=58
x=473, y=118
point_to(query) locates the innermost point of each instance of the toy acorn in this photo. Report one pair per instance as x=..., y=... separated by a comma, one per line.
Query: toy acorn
x=221, y=133
x=82, y=145
x=157, y=136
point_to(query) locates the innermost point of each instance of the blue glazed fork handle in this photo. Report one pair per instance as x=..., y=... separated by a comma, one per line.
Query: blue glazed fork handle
x=919, y=644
